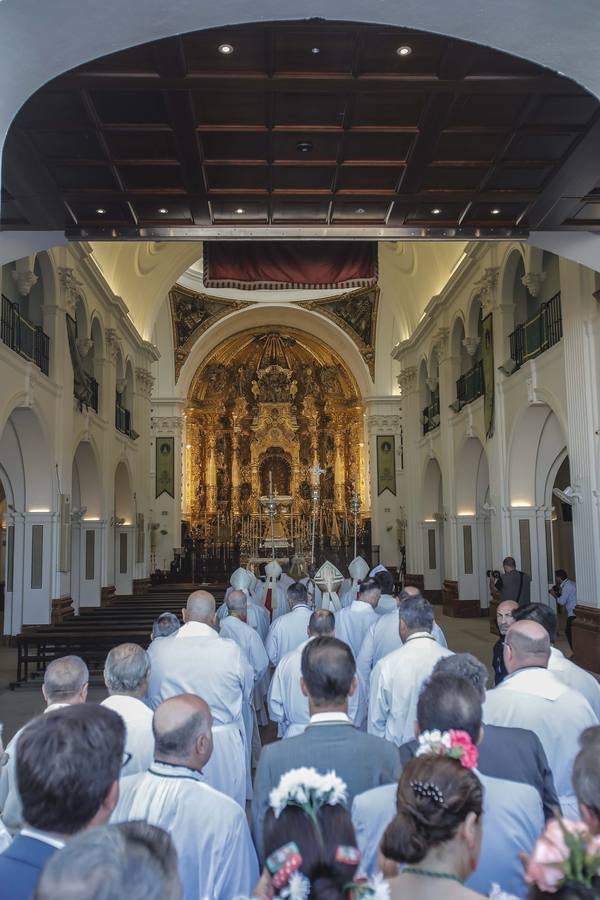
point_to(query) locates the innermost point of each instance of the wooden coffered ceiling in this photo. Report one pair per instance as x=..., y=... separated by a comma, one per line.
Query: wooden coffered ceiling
x=320, y=127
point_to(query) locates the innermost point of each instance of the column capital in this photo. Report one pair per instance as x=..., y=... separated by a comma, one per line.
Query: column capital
x=533, y=282
x=407, y=380
x=471, y=344
x=25, y=280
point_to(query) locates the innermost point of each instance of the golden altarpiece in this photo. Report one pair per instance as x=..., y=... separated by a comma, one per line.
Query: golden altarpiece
x=266, y=411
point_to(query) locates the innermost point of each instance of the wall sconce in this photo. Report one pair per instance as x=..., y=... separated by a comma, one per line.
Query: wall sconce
x=117, y=521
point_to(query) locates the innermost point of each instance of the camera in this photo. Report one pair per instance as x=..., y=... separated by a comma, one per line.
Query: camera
x=493, y=573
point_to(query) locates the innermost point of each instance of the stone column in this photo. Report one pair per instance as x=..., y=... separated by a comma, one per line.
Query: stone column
x=410, y=498
x=383, y=418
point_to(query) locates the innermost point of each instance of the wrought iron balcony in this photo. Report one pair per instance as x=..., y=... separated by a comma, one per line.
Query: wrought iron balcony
x=538, y=334
x=431, y=413
x=470, y=385
x=23, y=337
x=122, y=418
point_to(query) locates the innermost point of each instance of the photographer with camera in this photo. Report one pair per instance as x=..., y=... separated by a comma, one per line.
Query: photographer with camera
x=512, y=585
x=504, y=619
x=565, y=594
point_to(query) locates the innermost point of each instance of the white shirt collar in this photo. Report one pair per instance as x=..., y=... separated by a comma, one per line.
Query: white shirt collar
x=419, y=634
x=360, y=605
x=52, y=706
x=324, y=718
x=195, y=629
x=43, y=836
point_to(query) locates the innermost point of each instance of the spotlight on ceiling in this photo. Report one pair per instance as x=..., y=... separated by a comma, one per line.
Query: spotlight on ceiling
x=239, y=211
x=495, y=211
x=405, y=50
x=225, y=49
x=315, y=50
x=360, y=211
x=101, y=211
x=435, y=211
x=304, y=146
x=163, y=210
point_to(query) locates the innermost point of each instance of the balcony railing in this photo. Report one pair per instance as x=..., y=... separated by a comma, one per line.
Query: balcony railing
x=470, y=385
x=122, y=418
x=93, y=386
x=538, y=334
x=20, y=335
x=431, y=413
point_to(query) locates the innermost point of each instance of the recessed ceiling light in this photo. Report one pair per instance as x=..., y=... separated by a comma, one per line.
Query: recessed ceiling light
x=225, y=49
x=436, y=211
x=315, y=50
x=405, y=50
x=163, y=210
x=240, y=211
x=304, y=146
x=100, y=211
x=495, y=211
x=360, y=211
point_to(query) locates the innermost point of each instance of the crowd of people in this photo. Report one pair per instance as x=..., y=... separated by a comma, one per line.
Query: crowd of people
x=396, y=773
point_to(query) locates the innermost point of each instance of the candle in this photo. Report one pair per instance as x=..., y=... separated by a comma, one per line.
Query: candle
x=270, y=483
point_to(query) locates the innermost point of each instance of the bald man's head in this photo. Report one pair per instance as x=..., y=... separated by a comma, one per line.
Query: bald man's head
x=237, y=604
x=182, y=728
x=200, y=607
x=505, y=615
x=526, y=644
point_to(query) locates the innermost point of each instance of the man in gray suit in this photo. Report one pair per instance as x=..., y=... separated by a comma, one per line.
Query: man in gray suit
x=330, y=741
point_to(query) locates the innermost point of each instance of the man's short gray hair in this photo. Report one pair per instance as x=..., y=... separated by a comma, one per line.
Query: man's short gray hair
x=586, y=770
x=133, y=859
x=297, y=593
x=417, y=613
x=125, y=668
x=65, y=677
x=166, y=624
x=237, y=601
x=467, y=666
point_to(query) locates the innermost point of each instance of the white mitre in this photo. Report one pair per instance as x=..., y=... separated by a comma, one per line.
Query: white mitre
x=358, y=569
x=253, y=580
x=273, y=570
x=329, y=579
x=240, y=580
x=377, y=569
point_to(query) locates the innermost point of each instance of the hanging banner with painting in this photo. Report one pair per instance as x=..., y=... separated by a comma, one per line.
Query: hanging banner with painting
x=487, y=339
x=386, y=463
x=165, y=466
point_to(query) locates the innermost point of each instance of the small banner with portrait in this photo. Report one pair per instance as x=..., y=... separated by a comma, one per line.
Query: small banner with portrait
x=386, y=464
x=487, y=355
x=165, y=466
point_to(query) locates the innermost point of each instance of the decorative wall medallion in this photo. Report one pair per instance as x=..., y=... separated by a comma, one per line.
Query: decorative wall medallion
x=192, y=314
x=356, y=313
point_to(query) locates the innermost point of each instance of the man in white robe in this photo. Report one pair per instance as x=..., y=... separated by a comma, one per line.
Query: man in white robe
x=397, y=679
x=358, y=570
x=313, y=591
x=383, y=637
x=566, y=671
x=274, y=596
x=288, y=705
x=235, y=627
x=198, y=661
x=385, y=582
x=216, y=856
x=353, y=622
x=288, y=631
x=257, y=616
x=126, y=673
x=65, y=684
x=534, y=698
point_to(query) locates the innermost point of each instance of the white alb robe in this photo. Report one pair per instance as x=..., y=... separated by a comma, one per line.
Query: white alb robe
x=387, y=603
x=139, y=740
x=196, y=660
x=256, y=616
x=279, y=603
x=575, y=677
x=217, y=860
x=383, y=637
x=353, y=622
x=287, y=704
x=287, y=632
x=395, y=685
x=534, y=698
x=249, y=641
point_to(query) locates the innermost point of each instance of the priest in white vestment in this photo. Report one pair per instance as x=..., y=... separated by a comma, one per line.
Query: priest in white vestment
x=235, y=627
x=385, y=581
x=397, y=679
x=358, y=570
x=256, y=615
x=196, y=660
x=533, y=697
x=126, y=674
x=313, y=591
x=288, y=706
x=217, y=860
x=274, y=595
x=288, y=631
x=353, y=622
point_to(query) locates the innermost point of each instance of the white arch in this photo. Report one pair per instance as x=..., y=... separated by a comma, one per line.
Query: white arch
x=85, y=468
x=472, y=477
x=538, y=438
x=432, y=489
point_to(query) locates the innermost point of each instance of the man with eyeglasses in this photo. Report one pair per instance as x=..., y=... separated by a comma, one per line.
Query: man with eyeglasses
x=67, y=769
x=65, y=684
x=533, y=697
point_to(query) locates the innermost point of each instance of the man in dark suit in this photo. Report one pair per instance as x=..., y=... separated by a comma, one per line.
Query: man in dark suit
x=68, y=776
x=511, y=753
x=330, y=740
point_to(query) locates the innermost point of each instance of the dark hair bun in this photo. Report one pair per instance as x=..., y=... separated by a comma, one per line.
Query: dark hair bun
x=404, y=840
x=325, y=883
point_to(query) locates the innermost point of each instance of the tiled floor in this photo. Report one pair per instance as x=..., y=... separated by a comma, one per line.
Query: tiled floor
x=17, y=707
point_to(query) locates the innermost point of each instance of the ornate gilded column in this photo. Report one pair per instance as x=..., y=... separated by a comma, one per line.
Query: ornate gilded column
x=211, y=471
x=339, y=467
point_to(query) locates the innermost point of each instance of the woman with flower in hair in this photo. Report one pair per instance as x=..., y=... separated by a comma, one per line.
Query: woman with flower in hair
x=565, y=863
x=309, y=842
x=436, y=833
